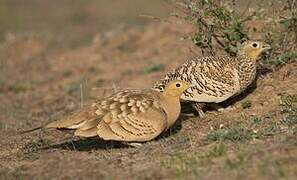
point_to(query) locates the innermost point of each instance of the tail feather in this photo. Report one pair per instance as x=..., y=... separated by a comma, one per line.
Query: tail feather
x=31, y=130
x=73, y=121
x=67, y=123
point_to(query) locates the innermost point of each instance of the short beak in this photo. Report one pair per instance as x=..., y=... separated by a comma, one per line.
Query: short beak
x=266, y=46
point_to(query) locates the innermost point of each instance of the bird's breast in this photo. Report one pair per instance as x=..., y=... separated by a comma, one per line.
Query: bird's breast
x=172, y=109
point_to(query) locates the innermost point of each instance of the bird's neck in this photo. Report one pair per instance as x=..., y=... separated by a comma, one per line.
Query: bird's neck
x=246, y=67
x=251, y=55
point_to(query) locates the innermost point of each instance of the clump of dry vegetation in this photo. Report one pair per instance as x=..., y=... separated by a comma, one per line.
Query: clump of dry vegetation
x=280, y=30
x=223, y=25
x=216, y=24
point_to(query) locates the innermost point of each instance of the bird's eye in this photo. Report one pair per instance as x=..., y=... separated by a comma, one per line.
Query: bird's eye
x=177, y=85
x=255, y=45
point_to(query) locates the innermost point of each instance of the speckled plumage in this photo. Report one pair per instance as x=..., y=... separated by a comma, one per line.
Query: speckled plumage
x=128, y=115
x=216, y=79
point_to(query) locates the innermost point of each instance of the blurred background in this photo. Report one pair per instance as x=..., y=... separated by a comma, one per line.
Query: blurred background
x=71, y=37
x=75, y=21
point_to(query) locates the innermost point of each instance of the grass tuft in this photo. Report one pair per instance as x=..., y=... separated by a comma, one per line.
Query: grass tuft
x=284, y=58
x=30, y=151
x=287, y=101
x=246, y=104
x=235, y=133
x=288, y=105
x=37, y=144
x=217, y=150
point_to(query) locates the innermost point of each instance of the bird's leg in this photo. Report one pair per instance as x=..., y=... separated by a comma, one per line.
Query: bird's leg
x=199, y=108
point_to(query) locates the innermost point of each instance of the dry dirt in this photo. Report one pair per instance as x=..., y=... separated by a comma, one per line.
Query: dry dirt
x=40, y=83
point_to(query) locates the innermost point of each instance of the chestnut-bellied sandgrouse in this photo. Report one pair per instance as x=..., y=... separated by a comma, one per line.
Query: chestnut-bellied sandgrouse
x=216, y=78
x=128, y=115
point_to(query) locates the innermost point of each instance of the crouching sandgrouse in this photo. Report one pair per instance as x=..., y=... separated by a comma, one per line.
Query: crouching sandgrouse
x=217, y=78
x=128, y=115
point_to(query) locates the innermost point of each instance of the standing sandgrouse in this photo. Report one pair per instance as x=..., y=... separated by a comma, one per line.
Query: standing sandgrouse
x=128, y=115
x=217, y=78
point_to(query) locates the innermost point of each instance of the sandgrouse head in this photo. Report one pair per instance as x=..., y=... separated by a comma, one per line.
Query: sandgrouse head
x=176, y=88
x=254, y=49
